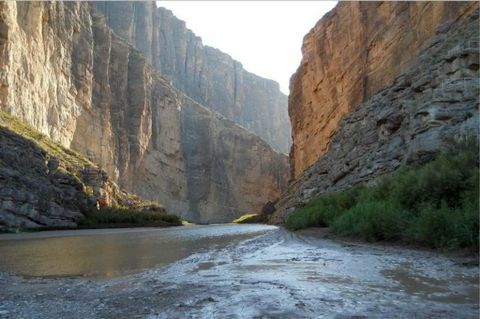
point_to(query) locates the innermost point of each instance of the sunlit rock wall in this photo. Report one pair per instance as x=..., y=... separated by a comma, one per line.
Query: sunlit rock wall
x=67, y=74
x=425, y=109
x=351, y=53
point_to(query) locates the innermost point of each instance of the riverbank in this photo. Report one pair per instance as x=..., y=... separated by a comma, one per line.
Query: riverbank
x=268, y=274
x=434, y=205
x=462, y=257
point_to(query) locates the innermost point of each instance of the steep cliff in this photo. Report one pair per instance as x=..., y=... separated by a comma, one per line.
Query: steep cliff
x=350, y=54
x=427, y=106
x=47, y=185
x=207, y=75
x=68, y=75
x=228, y=169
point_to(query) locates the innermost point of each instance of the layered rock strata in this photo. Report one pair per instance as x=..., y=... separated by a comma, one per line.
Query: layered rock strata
x=349, y=55
x=207, y=75
x=46, y=185
x=68, y=75
x=423, y=110
x=229, y=171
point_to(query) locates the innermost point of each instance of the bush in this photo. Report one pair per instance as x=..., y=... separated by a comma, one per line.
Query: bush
x=445, y=227
x=372, y=221
x=436, y=204
x=321, y=211
x=127, y=217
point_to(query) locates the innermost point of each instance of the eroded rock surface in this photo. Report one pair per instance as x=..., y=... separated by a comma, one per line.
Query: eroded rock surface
x=66, y=73
x=228, y=169
x=207, y=75
x=428, y=106
x=46, y=185
x=349, y=55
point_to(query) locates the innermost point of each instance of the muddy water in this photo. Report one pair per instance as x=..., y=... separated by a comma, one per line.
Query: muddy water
x=103, y=253
x=249, y=272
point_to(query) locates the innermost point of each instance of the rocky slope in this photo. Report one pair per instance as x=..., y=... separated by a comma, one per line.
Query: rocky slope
x=349, y=55
x=68, y=75
x=429, y=104
x=207, y=75
x=47, y=185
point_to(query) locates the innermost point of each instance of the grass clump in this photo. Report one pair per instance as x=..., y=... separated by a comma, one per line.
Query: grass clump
x=251, y=219
x=436, y=204
x=51, y=147
x=122, y=216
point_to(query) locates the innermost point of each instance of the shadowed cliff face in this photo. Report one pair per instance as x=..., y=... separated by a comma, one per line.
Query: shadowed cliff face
x=207, y=75
x=227, y=170
x=69, y=76
x=46, y=185
x=350, y=54
x=423, y=110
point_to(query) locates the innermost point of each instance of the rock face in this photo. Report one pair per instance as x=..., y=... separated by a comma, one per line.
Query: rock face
x=207, y=75
x=44, y=184
x=228, y=169
x=349, y=55
x=432, y=102
x=68, y=75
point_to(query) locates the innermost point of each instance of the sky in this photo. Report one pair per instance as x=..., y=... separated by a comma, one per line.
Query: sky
x=265, y=36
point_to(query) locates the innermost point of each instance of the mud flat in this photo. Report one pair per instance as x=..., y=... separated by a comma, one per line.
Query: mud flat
x=238, y=271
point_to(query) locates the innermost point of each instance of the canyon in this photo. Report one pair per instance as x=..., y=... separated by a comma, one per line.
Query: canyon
x=351, y=53
x=67, y=74
x=117, y=106
x=207, y=75
x=400, y=91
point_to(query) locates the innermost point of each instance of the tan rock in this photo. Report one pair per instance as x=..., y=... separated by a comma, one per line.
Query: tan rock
x=426, y=108
x=351, y=53
x=207, y=75
x=67, y=74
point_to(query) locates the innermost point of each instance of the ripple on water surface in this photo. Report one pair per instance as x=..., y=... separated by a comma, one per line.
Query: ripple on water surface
x=112, y=252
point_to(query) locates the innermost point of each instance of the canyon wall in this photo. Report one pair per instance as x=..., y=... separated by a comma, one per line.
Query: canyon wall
x=46, y=185
x=207, y=75
x=422, y=111
x=351, y=53
x=228, y=169
x=67, y=74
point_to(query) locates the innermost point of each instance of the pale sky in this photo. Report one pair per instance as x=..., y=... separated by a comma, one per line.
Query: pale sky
x=265, y=36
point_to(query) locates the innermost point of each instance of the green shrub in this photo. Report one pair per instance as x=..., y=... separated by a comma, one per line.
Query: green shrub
x=127, y=217
x=436, y=204
x=321, y=211
x=372, y=221
x=445, y=227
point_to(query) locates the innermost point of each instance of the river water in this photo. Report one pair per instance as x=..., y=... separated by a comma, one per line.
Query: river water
x=225, y=271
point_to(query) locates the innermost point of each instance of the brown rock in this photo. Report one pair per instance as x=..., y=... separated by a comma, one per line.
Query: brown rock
x=71, y=77
x=351, y=53
x=428, y=106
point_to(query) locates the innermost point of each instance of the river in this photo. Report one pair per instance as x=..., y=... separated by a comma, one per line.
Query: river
x=225, y=271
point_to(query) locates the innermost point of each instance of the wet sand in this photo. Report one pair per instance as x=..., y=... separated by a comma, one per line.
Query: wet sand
x=268, y=273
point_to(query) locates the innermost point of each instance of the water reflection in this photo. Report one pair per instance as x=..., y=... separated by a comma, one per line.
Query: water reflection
x=107, y=253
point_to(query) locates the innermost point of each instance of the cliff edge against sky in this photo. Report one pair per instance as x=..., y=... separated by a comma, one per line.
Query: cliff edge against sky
x=66, y=73
x=381, y=85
